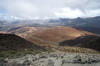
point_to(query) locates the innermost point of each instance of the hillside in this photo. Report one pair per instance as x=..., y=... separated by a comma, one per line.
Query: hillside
x=89, y=41
x=60, y=33
x=94, y=44
x=89, y=29
x=13, y=42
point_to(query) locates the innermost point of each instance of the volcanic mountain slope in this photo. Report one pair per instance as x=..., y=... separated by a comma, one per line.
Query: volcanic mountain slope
x=89, y=41
x=13, y=42
x=22, y=30
x=94, y=44
x=25, y=31
x=60, y=33
x=94, y=30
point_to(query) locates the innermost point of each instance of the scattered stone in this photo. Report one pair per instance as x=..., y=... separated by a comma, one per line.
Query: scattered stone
x=50, y=63
x=51, y=59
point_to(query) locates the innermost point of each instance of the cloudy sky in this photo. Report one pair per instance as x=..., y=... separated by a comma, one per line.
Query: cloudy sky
x=28, y=9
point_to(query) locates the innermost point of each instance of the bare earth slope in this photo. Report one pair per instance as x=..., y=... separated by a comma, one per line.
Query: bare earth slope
x=60, y=33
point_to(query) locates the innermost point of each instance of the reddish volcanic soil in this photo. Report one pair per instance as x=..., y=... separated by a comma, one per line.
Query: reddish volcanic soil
x=59, y=33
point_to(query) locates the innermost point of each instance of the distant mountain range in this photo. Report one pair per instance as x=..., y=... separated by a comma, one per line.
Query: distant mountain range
x=87, y=22
x=91, y=24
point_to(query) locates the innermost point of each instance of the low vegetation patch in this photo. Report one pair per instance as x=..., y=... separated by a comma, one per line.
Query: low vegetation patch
x=77, y=50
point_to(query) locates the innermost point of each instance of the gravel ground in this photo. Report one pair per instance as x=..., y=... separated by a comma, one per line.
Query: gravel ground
x=51, y=59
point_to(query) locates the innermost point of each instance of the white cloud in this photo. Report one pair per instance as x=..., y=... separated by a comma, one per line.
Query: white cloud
x=73, y=13
x=69, y=13
x=51, y=8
